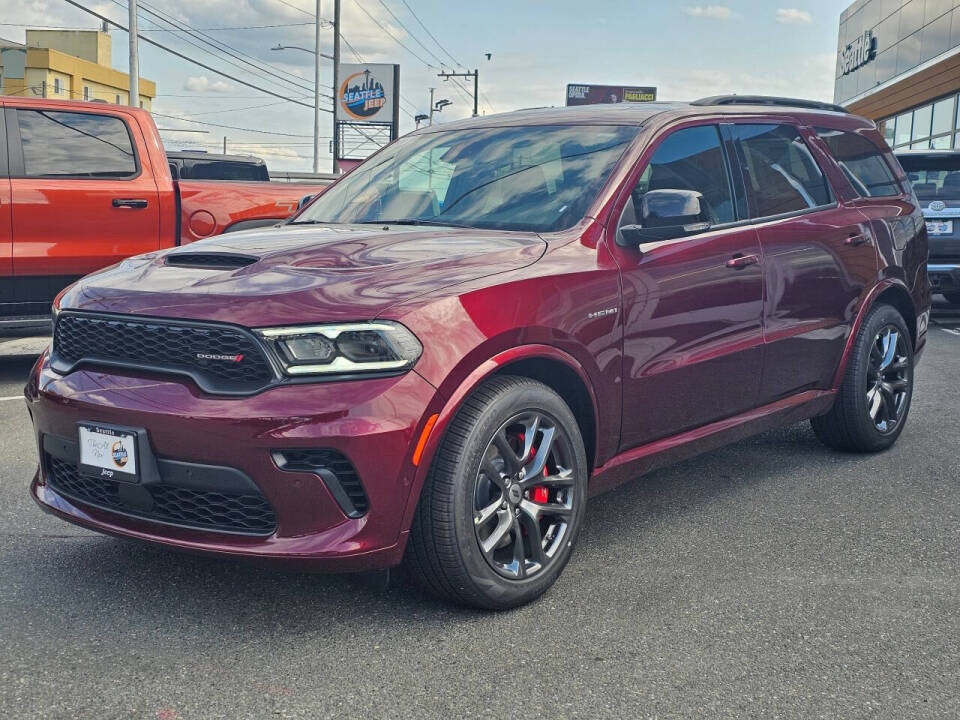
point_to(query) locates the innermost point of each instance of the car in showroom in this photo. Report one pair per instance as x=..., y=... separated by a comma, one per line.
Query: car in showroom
x=935, y=176
x=438, y=360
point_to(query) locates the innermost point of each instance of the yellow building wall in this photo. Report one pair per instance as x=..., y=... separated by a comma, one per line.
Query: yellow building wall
x=90, y=45
x=44, y=65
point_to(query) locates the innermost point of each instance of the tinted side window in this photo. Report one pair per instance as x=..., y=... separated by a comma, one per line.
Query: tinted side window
x=862, y=163
x=689, y=159
x=75, y=144
x=218, y=170
x=780, y=172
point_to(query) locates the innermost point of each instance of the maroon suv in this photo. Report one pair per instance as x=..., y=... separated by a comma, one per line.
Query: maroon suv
x=441, y=357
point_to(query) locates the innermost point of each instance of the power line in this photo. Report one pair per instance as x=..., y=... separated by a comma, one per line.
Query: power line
x=407, y=30
x=352, y=49
x=238, y=109
x=432, y=37
x=238, y=27
x=218, y=45
x=391, y=35
x=180, y=55
x=305, y=12
x=234, y=127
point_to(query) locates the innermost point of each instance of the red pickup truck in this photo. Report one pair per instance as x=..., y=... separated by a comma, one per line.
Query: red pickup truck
x=84, y=185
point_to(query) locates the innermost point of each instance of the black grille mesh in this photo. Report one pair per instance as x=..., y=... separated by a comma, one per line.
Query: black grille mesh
x=248, y=514
x=209, y=260
x=166, y=346
x=314, y=459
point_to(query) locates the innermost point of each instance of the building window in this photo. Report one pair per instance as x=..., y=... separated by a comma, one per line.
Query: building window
x=86, y=92
x=928, y=126
x=117, y=100
x=56, y=86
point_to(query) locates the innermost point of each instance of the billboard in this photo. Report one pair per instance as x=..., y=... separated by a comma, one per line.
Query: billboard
x=368, y=93
x=597, y=94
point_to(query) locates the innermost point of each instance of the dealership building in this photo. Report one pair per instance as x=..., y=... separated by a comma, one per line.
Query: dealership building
x=898, y=63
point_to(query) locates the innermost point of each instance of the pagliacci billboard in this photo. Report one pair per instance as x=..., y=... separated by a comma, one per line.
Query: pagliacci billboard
x=367, y=93
x=598, y=94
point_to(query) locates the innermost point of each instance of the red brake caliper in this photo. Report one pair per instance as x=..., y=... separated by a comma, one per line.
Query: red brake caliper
x=538, y=493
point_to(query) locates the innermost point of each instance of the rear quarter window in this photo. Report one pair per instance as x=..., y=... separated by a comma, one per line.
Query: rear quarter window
x=862, y=162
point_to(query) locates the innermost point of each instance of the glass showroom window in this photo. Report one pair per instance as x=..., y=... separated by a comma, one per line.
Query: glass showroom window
x=928, y=126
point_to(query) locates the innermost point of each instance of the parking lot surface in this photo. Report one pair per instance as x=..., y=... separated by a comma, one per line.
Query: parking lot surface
x=772, y=578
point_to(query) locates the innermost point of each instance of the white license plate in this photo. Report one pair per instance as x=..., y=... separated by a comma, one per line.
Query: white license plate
x=940, y=227
x=108, y=453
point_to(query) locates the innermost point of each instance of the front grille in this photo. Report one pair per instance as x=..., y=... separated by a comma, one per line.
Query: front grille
x=246, y=514
x=225, y=261
x=219, y=358
x=336, y=471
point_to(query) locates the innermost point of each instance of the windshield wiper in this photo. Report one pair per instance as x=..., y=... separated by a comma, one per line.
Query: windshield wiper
x=310, y=222
x=411, y=221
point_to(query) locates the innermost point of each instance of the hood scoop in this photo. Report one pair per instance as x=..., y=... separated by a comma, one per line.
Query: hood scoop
x=210, y=260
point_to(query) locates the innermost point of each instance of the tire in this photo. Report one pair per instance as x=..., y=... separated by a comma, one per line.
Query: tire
x=952, y=297
x=476, y=488
x=874, y=400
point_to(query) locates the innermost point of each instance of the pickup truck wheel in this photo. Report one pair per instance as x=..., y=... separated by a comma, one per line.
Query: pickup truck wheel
x=874, y=399
x=952, y=297
x=505, y=498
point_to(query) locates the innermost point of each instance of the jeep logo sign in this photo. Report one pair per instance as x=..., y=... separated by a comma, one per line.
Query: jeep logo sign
x=858, y=53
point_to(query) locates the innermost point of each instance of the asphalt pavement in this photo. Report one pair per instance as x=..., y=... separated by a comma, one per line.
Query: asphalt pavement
x=772, y=578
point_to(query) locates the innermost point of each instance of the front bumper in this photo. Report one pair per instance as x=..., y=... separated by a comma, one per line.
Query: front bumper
x=944, y=277
x=374, y=423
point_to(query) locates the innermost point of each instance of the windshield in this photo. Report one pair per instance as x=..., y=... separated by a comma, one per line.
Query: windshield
x=933, y=178
x=535, y=178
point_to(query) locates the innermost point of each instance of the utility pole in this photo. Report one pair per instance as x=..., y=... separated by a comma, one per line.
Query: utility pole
x=134, y=100
x=476, y=82
x=431, y=106
x=336, y=83
x=316, y=94
x=224, y=144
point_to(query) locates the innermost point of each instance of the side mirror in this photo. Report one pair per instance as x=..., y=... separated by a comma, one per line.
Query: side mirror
x=667, y=214
x=304, y=200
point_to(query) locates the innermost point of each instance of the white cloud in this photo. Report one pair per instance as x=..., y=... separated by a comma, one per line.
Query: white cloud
x=201, y=83
x=793, y=16
x=716, y=12
x=813, y=79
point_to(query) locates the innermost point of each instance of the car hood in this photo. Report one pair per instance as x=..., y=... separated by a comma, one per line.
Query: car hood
x=301, y=274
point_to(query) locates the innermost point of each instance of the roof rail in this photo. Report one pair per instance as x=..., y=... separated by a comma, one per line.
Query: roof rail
x=768, y=100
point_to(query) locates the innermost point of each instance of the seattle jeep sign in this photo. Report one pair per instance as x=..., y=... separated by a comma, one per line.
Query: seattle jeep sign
x=858, y=53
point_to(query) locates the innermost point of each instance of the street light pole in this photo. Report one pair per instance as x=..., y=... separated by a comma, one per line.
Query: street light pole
x=431, y=106
x=336, y=84
x=134, y=99
x=316, y=94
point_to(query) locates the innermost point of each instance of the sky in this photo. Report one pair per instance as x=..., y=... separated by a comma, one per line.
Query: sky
x=686, y=49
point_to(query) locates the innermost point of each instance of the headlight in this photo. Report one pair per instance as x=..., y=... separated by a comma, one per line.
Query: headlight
x=343, y=349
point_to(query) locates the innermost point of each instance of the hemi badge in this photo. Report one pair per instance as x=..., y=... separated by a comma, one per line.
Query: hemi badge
x=602, y=313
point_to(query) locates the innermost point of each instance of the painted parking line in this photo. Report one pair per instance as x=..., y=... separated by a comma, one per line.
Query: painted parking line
x=952, y=331
x=12, y=397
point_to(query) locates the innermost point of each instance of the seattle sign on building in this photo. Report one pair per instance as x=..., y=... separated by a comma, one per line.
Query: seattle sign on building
x=858, y=53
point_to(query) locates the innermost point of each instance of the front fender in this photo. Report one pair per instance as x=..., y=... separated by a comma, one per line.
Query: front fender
x=456, y=398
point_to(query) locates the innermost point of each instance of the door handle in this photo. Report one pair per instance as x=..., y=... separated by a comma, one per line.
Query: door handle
x=857, y=239
x=738, y=262
x=129, y=203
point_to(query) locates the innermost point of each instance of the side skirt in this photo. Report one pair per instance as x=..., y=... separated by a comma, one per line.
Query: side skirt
x=638, y=461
